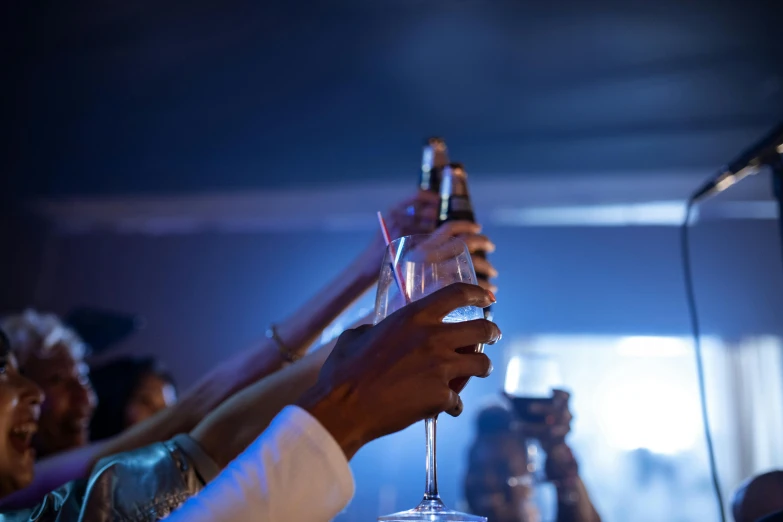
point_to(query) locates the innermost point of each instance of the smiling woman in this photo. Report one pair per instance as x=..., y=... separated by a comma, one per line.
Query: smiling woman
x=20, y=402
x=51, y=354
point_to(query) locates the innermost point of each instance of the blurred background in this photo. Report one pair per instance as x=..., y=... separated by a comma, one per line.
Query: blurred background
x=207, y=165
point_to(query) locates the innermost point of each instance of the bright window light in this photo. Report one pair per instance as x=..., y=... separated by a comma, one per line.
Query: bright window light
x=653, y=347
x=513, y=374
x=651, y=407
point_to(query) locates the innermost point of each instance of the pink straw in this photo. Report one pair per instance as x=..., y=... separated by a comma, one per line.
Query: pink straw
x=395, y=268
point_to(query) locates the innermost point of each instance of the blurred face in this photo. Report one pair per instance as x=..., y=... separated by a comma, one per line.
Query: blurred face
x=70, y=400
x=150, y=396
x=20, y=404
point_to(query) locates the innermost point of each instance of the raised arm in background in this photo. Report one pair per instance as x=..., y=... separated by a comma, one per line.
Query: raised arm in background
x=562, y=470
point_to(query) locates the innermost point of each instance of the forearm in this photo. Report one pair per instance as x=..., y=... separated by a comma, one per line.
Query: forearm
x=303, y=327
x=228, y=430
x=574, y=505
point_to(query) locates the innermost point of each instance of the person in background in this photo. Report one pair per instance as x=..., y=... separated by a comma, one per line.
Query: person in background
x=758, y=497
x=377, y=380
x=130, y=390
x=499, y=485
x=52, y=355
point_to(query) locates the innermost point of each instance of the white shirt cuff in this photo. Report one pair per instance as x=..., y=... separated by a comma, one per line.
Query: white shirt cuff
x=338, y=470
x=294, y=471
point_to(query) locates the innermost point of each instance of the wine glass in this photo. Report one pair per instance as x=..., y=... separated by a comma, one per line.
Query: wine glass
x=531, y=378
x=414, y=267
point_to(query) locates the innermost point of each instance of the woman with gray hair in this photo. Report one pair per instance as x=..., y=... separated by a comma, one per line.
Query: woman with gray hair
x=52, y=356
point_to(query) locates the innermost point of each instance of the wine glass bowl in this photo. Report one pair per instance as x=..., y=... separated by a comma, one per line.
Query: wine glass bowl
x=423, y=263
x=531, y=377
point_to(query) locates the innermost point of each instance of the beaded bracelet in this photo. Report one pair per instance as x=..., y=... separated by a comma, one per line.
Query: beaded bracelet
x=285, y=352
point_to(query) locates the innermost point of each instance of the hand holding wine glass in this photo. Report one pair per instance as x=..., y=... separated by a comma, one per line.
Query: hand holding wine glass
x=381, y=379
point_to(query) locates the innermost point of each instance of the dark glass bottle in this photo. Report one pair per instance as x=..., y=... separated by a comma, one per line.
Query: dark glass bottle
x=434, y=157
x=455, y=205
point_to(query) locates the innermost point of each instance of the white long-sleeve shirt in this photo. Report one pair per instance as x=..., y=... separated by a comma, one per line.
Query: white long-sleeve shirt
x=293, y=472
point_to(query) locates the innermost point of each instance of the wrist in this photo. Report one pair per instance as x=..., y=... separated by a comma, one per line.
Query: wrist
x=332, y=409
x=570, y=491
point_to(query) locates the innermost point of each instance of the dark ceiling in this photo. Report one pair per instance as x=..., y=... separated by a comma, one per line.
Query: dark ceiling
x=149, y=96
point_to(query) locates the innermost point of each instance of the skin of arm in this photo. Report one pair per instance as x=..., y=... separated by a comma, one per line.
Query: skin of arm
x=266, y=398
x=580, y=509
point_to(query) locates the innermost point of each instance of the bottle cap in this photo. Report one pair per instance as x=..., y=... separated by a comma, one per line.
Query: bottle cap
x=458, y=169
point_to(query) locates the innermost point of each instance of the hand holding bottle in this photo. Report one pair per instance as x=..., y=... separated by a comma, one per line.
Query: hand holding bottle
x=478, y=245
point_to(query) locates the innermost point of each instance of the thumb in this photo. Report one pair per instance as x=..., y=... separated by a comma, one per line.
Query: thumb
x=353, y=333
x=348, y=337
x=457, y=407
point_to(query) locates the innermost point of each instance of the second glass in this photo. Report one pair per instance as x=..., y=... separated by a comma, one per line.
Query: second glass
x=531, y=378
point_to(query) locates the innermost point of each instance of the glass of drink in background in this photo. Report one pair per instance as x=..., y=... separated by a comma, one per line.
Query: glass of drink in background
x=413, y=267
x=531, y=378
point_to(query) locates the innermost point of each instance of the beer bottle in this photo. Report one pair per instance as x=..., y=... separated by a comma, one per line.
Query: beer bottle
x=434, y=157
x=455, y=205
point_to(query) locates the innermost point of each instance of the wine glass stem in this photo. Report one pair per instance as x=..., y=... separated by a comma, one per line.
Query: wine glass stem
x=431, y=486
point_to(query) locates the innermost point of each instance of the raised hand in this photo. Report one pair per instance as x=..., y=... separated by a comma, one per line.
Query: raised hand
x=381, y=379
x=561, y=466
x=415, y=215
x=470, y=233
x=557, y=420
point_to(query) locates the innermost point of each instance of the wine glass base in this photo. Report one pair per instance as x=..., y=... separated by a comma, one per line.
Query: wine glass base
x=431, y=511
